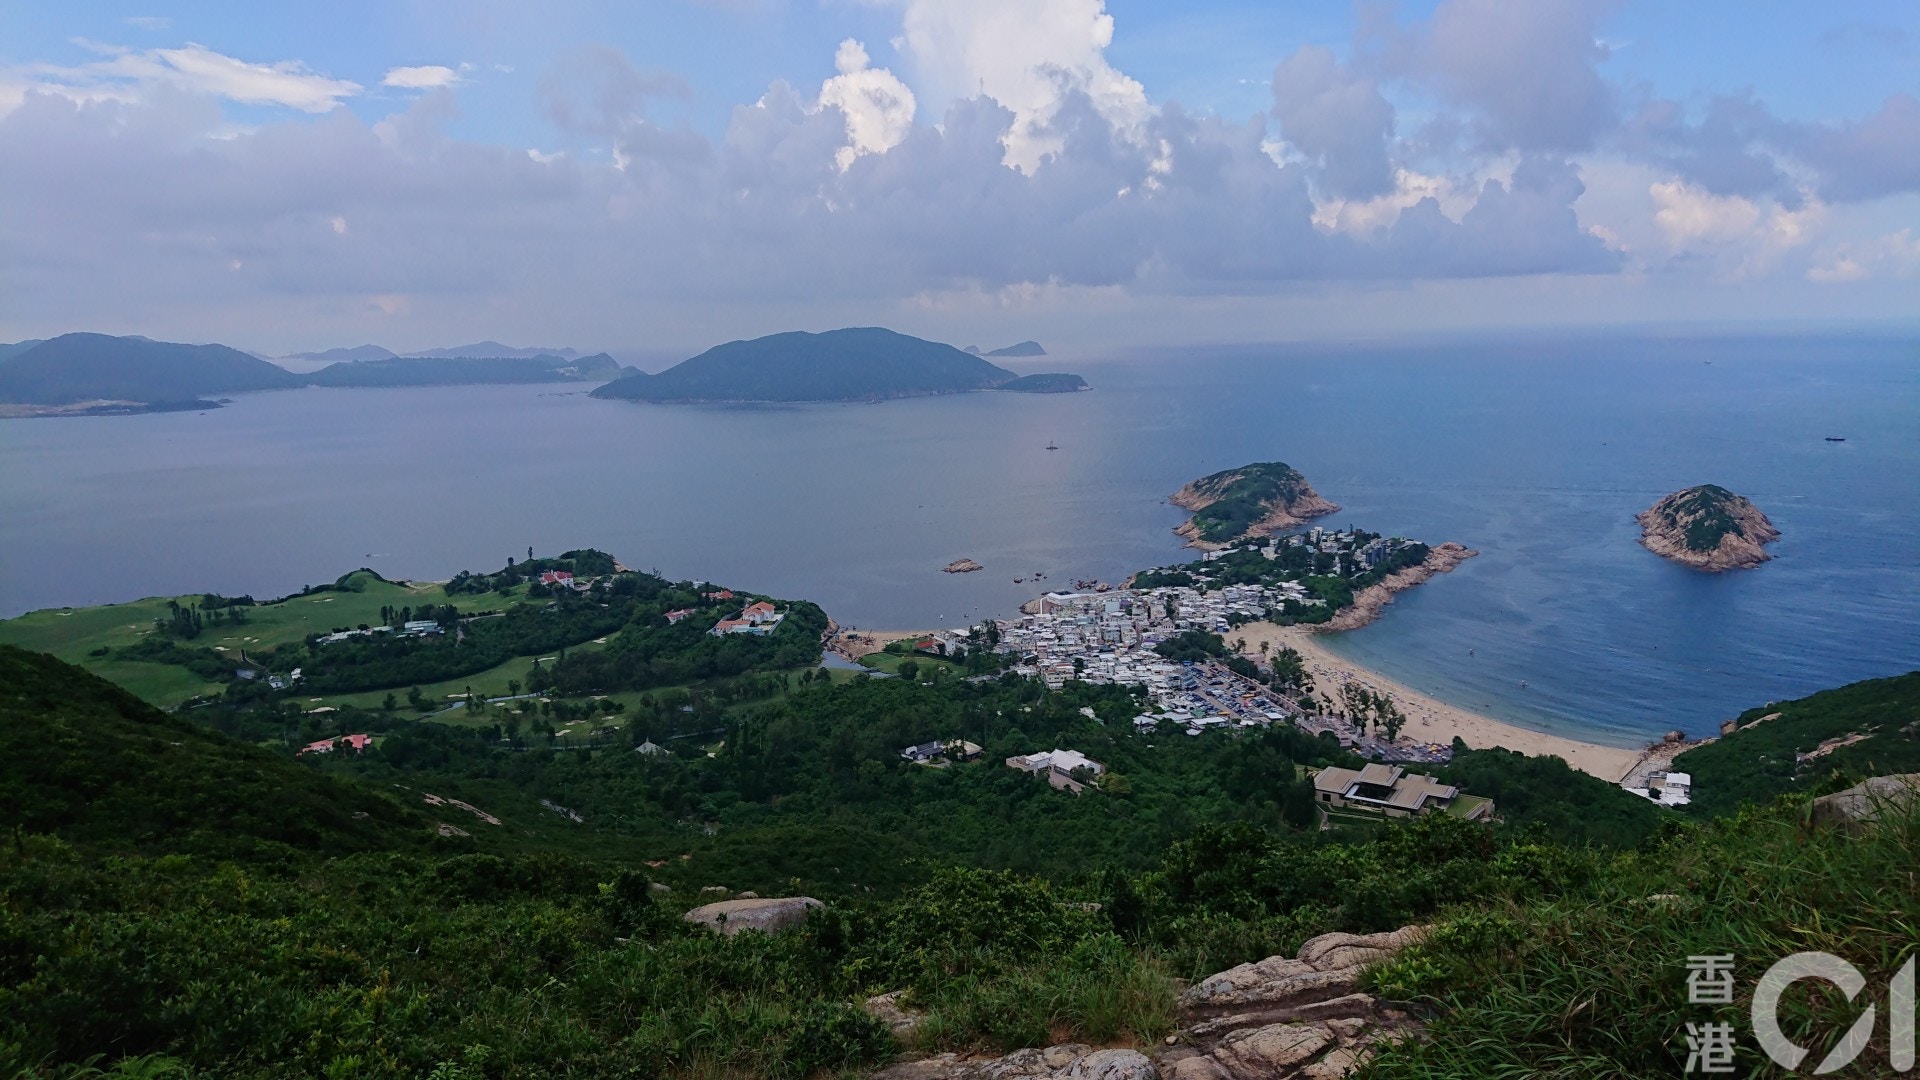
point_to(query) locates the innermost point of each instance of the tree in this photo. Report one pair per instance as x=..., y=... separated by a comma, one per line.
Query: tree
x=513, y=687
x=390, y=703
x=909, y=669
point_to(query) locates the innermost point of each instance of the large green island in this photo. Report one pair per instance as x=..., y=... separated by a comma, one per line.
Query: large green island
x=856, y=364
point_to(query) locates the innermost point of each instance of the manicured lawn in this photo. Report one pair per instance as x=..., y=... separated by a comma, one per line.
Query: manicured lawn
x=75, y=634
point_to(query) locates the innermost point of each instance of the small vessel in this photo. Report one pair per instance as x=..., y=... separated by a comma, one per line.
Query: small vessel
x=1836, y=438
x=1051, y=446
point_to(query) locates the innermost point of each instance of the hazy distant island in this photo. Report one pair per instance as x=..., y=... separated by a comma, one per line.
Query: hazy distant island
x=1709, y=528
x=98, y=374
x=1024, y=348
x=857, y=364
x=1253, y=500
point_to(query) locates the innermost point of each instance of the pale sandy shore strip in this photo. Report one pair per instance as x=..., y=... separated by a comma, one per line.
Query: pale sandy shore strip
x=1431, y=720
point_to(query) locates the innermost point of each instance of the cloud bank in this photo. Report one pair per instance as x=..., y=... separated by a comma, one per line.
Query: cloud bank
x=1025, y=163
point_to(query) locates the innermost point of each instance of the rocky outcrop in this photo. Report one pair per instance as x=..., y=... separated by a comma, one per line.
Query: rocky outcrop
x=1302, y=1016
x=1281, y=494
x=961, y=566
x=1284, y=1018
x=769, y=915
x=1708, y=528
x=1867, y=801
x=1369, y=602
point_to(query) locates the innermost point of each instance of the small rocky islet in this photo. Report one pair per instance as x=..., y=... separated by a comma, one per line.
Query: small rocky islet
x=1709, y=528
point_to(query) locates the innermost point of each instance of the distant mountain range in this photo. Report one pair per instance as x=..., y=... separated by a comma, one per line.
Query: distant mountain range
x=99, y=373
x=1025, y=348
x=858, y=364
x=479, y=350
x=346, y=355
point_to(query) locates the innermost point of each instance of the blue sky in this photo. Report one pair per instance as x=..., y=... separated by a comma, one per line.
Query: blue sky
x=661, y=175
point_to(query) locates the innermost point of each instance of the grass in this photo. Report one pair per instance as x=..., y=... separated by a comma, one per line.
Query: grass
x=1594, y=984
x=76, y=634
x=1465, y=805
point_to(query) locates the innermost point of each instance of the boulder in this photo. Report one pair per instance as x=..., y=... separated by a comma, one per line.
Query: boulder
x=888, y=1009
x=1866, y=801
x=765, y=915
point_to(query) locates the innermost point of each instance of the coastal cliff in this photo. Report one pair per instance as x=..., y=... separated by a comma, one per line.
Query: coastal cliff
x=1253, y=500
x=1369, y=602
x=1708, y=528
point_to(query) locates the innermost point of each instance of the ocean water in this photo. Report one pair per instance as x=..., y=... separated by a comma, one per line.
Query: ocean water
x=1536, y=452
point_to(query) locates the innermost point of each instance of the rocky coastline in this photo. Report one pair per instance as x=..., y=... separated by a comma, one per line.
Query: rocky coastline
x=1305, y=505
x=1673, y=529
x=1369, y=602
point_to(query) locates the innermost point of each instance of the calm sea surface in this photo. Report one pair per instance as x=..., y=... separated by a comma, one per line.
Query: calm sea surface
x=1536, y=453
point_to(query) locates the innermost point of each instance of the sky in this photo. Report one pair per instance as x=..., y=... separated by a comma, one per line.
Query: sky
x=651, y=178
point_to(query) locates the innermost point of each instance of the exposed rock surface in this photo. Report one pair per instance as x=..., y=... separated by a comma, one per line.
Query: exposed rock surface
x=1280, y=491
x=1709, y=528
x=767, y=916
x=1369, y=602
x=1283, y=1018
x=1867, y=801
x=889, y=1010
x=961, y=566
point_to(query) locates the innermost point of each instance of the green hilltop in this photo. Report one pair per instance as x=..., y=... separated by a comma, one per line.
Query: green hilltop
x=1234, y=503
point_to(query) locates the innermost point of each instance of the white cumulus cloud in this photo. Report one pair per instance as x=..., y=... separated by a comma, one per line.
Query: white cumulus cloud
x=878, y=106
x=1028, y=55
x=426, y=77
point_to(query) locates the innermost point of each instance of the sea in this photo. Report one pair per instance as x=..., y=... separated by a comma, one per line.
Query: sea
x=1535, y=450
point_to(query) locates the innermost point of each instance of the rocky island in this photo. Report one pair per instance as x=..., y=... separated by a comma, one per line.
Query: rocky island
x=1708, y=528
x=1253, y=500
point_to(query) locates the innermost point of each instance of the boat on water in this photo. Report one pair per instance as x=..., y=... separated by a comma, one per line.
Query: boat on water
x=1836, y=438
x=1051, y=446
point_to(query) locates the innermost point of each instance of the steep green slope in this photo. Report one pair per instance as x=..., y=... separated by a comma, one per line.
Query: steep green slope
x=1249, y=500
x=840, y=365
x=88, y=367
x=84, y=760
x=1829, y=739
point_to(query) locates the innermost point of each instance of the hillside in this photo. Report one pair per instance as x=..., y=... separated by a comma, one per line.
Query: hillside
x=1024, y=348
x=859, y=364
x=464, y=371
x=1834, y=737
x=76, y=368
x=1708, y=528
x=487, y=350
x=1047, y=383
x=1252, y=500
x=344, y=355
x=86, y=761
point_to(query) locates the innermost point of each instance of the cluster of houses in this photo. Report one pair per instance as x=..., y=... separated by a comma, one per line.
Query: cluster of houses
x=415, y=628
x=756, y=618
x=564, y=579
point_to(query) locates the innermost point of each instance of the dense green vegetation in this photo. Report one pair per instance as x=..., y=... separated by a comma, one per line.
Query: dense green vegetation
x=1328, y=592
x=856, y=364
x=1239, y=499
x=89, y=367
x=1707, y=512
x=175, y=899
x=1812, y=744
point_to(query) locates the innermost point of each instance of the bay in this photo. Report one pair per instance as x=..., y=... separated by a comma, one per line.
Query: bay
x=1535, y=451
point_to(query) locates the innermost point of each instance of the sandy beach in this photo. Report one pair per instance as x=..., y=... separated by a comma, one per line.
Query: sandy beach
x=1432, y=720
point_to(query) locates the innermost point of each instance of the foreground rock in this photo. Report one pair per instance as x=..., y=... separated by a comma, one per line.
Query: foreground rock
x=765, y=915
x=1282, y=1018
x=1867, y=801
x=1708, y=528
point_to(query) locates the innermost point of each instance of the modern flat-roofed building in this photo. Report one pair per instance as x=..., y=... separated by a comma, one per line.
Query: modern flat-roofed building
x=1391, y=790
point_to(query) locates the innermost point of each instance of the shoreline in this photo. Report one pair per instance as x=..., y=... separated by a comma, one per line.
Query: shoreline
x=853, y=643
x=1370, y=602
x=1430, y=720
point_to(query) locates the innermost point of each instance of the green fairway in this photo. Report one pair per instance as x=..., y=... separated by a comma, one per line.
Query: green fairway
x=77, y=635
